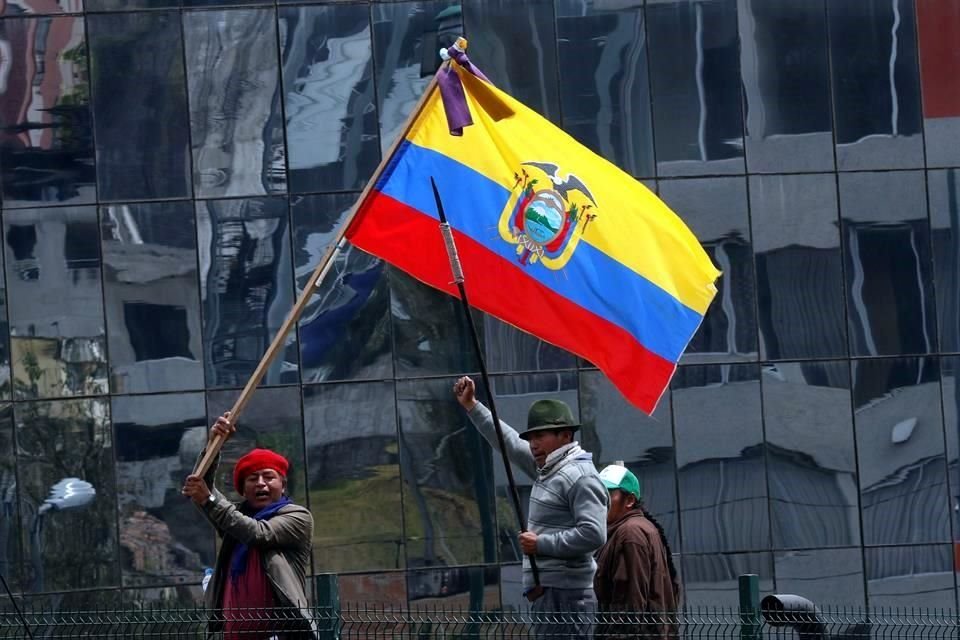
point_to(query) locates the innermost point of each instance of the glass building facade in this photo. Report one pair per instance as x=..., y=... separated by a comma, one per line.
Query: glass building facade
x=173, y=169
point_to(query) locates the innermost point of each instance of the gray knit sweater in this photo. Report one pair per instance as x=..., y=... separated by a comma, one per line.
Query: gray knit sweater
x=568, y=510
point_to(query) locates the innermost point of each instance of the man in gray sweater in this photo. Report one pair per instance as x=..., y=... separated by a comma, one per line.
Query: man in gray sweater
x=567, y=516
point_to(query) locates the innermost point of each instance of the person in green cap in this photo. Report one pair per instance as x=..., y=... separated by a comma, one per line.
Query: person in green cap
x=567, y=513
x=635, y=571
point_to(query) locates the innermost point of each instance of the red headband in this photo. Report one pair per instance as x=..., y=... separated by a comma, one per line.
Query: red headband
x=255, y=461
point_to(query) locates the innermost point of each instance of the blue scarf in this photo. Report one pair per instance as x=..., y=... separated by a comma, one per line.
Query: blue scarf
x=238, y=563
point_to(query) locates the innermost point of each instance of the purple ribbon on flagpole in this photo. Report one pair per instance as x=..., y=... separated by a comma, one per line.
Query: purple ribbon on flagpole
x=451, y=88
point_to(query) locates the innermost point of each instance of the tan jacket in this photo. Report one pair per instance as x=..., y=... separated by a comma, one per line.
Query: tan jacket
x=284, y=542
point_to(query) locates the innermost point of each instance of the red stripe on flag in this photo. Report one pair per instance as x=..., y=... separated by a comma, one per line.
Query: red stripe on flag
x=411, y=241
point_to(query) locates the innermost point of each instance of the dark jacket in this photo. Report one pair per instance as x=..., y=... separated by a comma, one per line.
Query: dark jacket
x=284, y=542
x=633, y=576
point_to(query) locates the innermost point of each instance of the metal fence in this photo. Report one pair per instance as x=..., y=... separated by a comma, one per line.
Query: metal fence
x=366, y=621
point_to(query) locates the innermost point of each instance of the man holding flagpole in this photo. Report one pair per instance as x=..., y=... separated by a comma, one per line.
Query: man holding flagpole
x=567, y=512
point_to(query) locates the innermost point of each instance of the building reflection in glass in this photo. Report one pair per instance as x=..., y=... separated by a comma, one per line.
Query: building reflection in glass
x=876, y=88
x=886, y=237
x=831, y=577
x=812, y=467
x=158, y=440
x=152, y=297
x=508, y=31
x=58, y=338
x=786, y=85
x=447, y=476
x=352, y=449
x=9, y=512
x=459, y=588
x=716, y=210
x=796, y=241
x=73, y=547
x=328, y=83
x=721, y=469
x=900, y=447
x=695, y=80
x=46, y=144
x=711, y=580
x=406, y=37
x=235, y=115
x=345, y=327
x=919, y=576
x=605, y=82
x=246, y=285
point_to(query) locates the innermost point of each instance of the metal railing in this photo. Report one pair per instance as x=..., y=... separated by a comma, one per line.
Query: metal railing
x=357, y=621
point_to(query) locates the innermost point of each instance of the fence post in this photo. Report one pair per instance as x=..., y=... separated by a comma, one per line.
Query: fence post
x=328, y=605
x=749, y=607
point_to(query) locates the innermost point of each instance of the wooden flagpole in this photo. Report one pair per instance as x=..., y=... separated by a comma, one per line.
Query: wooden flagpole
x=323, y=267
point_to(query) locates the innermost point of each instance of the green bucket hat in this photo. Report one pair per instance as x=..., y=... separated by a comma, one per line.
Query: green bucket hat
x=617, y=476
x=549, y=415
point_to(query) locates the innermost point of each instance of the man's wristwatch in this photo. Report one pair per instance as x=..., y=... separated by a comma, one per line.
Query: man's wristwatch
x=210, y=501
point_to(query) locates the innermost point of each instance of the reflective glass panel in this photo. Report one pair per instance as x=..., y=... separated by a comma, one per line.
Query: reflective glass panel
x=457, y=588
x=407, y=38
x=507, y=31
x=246, y=285
x=695, y=79
x=810, y=455
x=375, y=589
x=152, y=297
x=328, y=84
x=173, y=597
x=876, y=88
x=606, y=84
x=938, y=30
x=9, y=509
x=886, y=237
x=796, y=241
x=21, y=7
x=943, y=191
x=786, y=82
x=712, y=580
x=67, y=494
x=46, y=145
x=351, y=434
x=120, y=5
x=236, y=123
x=919, y=576
x=140, y=101
x=163, y=538
x=345, y=328
x=5, y=375
x=643, y=443
x=447, y=479
x=509, y=349
x=430, y=329
x=58, y=341
x=720, y=458
x=715, y=209
x=833, y=576
x=104, y=599
x=949, y=371
x=514, y=396
x=900, y=448
x=271, y=420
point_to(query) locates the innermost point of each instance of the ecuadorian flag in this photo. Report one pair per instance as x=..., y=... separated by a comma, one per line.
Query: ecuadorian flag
x=553, y=239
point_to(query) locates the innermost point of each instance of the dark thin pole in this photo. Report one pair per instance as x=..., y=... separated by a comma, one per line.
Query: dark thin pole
x=465, y=303
x=13, y=601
